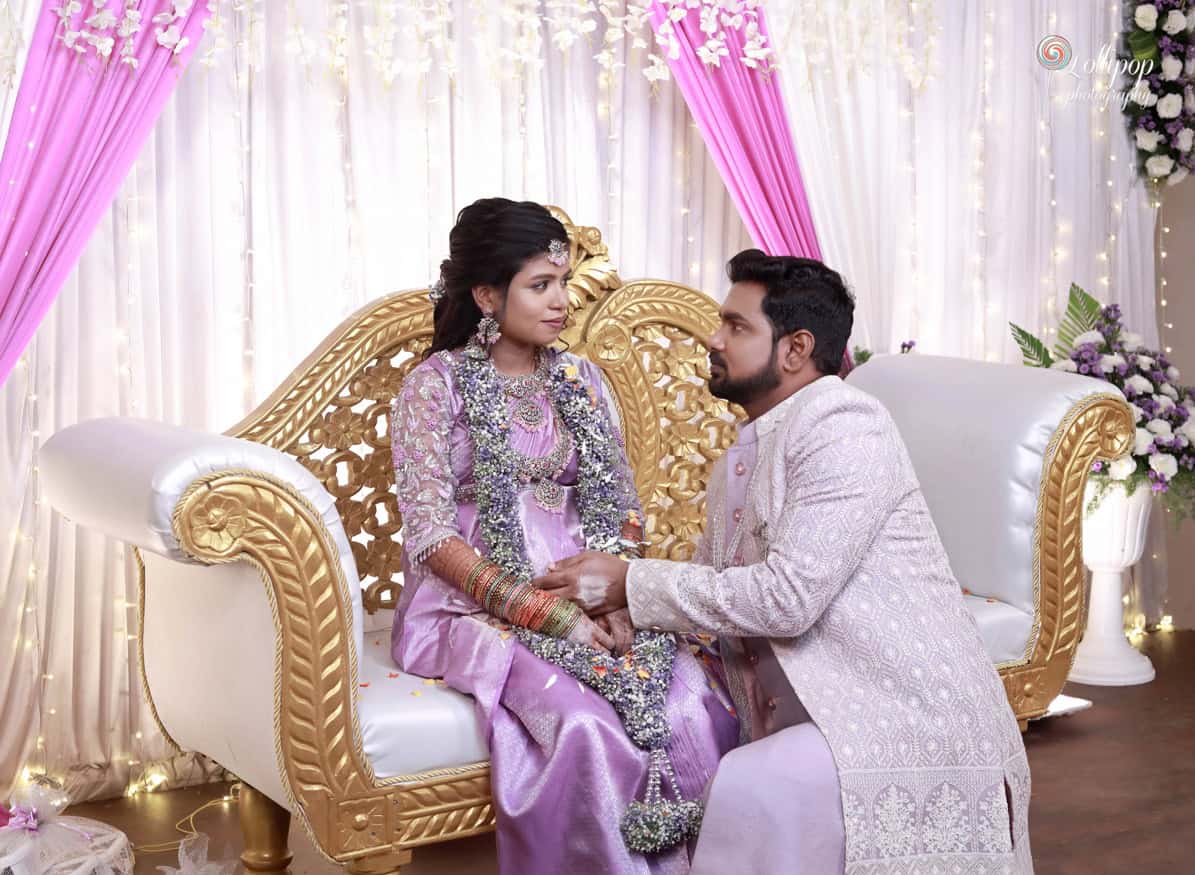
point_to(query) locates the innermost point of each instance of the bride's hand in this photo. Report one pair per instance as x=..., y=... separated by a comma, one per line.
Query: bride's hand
x=622, y=630
x=588, y=632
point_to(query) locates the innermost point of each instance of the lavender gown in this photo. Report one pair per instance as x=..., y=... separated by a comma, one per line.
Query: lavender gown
x=563, y=768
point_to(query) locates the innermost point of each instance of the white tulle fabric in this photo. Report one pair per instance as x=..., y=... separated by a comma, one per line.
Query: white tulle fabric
x=41, y=841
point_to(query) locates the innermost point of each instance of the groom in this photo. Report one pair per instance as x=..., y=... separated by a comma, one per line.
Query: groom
x=880, y=738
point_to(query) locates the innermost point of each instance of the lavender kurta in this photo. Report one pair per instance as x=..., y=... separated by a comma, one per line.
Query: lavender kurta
x=563, y=768
x=840, y=567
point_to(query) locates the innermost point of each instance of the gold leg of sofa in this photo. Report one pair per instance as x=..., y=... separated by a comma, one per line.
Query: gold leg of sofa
x=264, y=827
x=382, y=864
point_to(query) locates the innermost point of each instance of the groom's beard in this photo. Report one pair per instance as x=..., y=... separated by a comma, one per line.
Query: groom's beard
x=745, y=389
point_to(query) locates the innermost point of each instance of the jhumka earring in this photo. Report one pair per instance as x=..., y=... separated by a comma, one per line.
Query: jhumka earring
x=487, y=333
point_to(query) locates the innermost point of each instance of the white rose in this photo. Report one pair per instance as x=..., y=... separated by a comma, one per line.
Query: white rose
x=1145, y=362
x=1190, y=408
x=1139, y=384
x=1184, y=140
x=1163, y=403
x=1111, y=362
x=1189, y=100
x=1177, y=176
x=1172, y=374
x=1172, y=68
x=1170, y=106
x=1142, y=443
x=1138, y=413
x=1132, y=341
x=1146, y=16
x=1147, y=141
x=1159, y=166
x=1122, y=468
x=1175, y=22
x=1170, y=392
x=1187, y=430
x=1165, y=464
x=1065, y=365
x=1089, y=337
x=1159, y=427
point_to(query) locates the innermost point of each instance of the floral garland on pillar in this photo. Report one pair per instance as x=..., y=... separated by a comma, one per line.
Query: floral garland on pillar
x=1159, y=56
x=635, y=684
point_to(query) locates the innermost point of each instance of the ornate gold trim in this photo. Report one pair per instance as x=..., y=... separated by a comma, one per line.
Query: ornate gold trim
x=1097, y=427
x=145, y=691
x=249, y=516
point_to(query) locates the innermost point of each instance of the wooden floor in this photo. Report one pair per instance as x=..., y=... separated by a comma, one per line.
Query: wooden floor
x=1113, y=789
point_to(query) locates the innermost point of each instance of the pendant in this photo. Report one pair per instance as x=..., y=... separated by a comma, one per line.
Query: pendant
x=529, y=415
x=549, y=495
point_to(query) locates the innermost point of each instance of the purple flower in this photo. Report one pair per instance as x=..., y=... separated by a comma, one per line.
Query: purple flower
x=1097, y=467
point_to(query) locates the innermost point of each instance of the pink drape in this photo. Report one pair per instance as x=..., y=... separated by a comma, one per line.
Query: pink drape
x=79, y=120
x=740, y=113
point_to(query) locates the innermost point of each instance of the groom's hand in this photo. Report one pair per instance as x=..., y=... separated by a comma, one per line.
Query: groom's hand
x=597, y=582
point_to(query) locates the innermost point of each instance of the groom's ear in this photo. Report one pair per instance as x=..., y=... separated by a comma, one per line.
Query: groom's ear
x=796, y=349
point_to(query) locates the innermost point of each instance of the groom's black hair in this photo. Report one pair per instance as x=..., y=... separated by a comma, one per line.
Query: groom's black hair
x=801, y=293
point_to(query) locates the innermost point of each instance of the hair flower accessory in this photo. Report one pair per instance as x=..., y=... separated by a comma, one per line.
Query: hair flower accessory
x=437, y=290
x=558, y=253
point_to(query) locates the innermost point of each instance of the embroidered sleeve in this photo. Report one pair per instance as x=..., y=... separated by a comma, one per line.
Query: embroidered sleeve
x=420, y=425
x=840, y=482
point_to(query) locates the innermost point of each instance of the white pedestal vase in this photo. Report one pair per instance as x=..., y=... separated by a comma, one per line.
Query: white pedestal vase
x=1113, y=540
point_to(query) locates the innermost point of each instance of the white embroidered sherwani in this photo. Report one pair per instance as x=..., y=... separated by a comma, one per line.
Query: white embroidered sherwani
x=835, y=560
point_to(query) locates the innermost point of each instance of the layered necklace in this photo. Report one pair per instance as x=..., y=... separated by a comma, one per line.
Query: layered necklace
x=637, y=683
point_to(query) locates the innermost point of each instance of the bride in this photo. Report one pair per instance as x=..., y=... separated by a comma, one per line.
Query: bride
x=508, y=458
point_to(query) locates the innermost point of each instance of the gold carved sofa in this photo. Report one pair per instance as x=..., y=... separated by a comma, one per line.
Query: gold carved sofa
x=269, y=556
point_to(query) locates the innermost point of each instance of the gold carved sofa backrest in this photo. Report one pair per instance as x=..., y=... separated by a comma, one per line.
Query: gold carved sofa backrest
x=332, y=413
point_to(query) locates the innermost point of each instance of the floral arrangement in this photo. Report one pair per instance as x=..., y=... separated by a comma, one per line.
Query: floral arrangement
x=1161, y=109
x=1092, y=341
x=635, y=684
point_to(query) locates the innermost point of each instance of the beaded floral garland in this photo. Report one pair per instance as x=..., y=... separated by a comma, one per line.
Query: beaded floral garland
x=635, y=684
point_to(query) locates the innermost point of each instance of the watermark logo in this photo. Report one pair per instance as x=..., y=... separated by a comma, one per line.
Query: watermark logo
x=1096, y=79
x=1054, y=52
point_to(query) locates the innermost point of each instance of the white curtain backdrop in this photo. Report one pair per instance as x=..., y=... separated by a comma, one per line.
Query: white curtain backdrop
x=959, y=185
x=953, y=179
x=287, y=184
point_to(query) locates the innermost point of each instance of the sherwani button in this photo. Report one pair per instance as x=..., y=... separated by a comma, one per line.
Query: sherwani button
x=740, y=469
x=738, y=514
x=772, y=704
x=753, y=658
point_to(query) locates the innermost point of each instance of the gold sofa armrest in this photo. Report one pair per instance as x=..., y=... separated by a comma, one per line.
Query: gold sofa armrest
x=345, y=810
x=1098, y=427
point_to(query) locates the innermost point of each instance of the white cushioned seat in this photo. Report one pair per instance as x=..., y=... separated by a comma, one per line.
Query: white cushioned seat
x=1005, y=630
x=411, y=724
x=977, y=434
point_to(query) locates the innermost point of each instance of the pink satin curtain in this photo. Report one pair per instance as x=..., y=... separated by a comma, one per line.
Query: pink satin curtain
x=740, y=113
x=85, y=105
